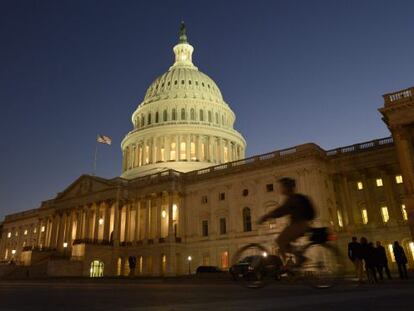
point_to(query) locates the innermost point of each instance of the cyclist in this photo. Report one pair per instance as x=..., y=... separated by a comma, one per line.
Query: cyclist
x=301, y=212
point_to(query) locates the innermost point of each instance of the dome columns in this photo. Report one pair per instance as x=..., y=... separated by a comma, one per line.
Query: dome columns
x=184, y=147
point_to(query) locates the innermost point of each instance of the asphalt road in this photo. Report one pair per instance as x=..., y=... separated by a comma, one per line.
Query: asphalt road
x=186, y=295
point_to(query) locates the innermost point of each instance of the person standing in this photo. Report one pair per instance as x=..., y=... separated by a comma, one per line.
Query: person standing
x=382, y=261
x=354, y=254
x=368, y=253
x=400, y=259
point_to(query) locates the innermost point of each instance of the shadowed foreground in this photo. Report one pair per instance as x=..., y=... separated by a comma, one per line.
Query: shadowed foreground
x=174, y=295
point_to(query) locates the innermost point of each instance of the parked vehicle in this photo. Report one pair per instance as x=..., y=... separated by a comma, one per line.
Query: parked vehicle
x=267, y=266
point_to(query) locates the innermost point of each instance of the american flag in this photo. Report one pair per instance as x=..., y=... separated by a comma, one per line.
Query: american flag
x=104, y=139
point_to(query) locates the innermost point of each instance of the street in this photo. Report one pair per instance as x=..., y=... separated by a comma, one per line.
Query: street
x=158, y=294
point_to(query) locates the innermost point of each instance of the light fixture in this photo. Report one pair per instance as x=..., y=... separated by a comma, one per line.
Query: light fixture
x=65, y=244
x=189, y=258
x=13, y=251
x=101, y=221
x=42, y=229
x=264, y=254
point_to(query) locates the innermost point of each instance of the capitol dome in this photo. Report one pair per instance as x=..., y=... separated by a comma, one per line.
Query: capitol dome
x=183, y=123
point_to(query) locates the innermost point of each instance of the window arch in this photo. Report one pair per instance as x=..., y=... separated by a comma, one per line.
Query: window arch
x=149, y=119
x=192, y=114
x=97, y=268
x=142, y=120
x=165, y=115
x=209, y=116
x=217, y=117
x=201, y=115
x=174, y=115
x=182, y=114
x=247, y=220
x=156, y=117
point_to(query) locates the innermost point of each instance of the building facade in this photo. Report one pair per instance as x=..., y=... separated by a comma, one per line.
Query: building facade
x=187, y=196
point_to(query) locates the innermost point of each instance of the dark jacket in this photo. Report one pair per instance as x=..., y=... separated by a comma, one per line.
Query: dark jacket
x=381, y=256
x=298, y=206
x=354, y=251
x=399, y=254
x=368, y=254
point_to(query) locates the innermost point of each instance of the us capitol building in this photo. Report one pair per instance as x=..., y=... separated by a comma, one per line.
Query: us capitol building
x=187, y=196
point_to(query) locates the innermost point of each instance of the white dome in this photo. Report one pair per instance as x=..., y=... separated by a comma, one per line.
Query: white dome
x=183, y=122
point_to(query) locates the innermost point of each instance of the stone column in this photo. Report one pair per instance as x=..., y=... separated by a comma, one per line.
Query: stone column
x=61, y=233
x=138, y=220
x=374, y=213
x=158, y=207
x=96, y=226
x=394, y=210
x=87, y=230
x=177, y=147
x=68, y=228
x=127, y=223
x=197, y=147
x=346, y=200
x=79, y=224
x=167, y=147
x=188, y=147
x=107, y=221
x=170, y=216
x=116, y=223
x=155, y=149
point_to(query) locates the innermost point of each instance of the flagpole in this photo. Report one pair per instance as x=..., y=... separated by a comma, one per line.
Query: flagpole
x=95, y=158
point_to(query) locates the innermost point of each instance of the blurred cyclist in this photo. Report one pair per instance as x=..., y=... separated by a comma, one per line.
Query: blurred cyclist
x=301, y=212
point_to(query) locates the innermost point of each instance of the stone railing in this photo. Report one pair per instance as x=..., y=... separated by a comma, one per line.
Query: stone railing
x=20, y=215
x=398, y=96
x=362, y=146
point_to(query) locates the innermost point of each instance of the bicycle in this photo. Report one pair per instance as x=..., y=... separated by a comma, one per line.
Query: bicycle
x=322, y=267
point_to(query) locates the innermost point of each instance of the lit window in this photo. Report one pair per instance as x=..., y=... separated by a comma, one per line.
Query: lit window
x=42, y=229
x=146, y=154
x=13, y=251
x=101, y=221
x=183, y=153
x=34, y=230
x=163, y=213
x=193, y=151
x=411, y=246
x=340, y=223
x=404, y=212
x=226, y=154
x=398, y=179
x=379, y=182
x=175, y=209
x=173, y=152
x=25, y=232
x=391, y=251
x=16, y=234
x=360, y=185
x=162, y=154
x=364, y=213
x=384, y=213
x=9, y=235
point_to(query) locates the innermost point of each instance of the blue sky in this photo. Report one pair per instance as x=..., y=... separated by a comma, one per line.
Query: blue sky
x=293, y=72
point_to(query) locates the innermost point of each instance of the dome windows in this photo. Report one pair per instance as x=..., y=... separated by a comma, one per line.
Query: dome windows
x=165, y=115
x=182, y=81
x=175, y=82
x=201, y=115
x=192, y=114
x=182, y=114
x=156, y=117
x=149, y=119
x=174, y=115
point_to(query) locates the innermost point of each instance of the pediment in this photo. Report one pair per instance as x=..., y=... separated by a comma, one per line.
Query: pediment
x=84, y=185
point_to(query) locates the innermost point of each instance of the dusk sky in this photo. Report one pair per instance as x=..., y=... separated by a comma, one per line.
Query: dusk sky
x=292, y=71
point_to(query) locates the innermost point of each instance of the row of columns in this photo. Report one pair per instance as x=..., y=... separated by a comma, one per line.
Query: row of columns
x=146, y=218
x=169, y=148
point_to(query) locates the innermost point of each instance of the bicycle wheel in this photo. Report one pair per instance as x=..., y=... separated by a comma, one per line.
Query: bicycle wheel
x=249, y=266
x=323, y=267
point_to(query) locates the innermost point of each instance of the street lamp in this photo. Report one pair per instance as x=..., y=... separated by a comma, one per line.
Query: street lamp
x=189, y=264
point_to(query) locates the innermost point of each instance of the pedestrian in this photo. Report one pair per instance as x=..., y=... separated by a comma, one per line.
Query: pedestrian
x=382, y=261
x=400, y=259
x=370, y=262
x=354, y=254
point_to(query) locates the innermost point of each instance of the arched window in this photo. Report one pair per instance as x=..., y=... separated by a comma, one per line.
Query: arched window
x=156, y=117
x=165, y=115
x=217, y=118
x=247, y=220
x=209, y=116
x=222, y=119
x=97, y=268
x=182, y=114
x=192, y=114
x=149, y=118
x=142, y=120
x=201, y=115
x=174, y=115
